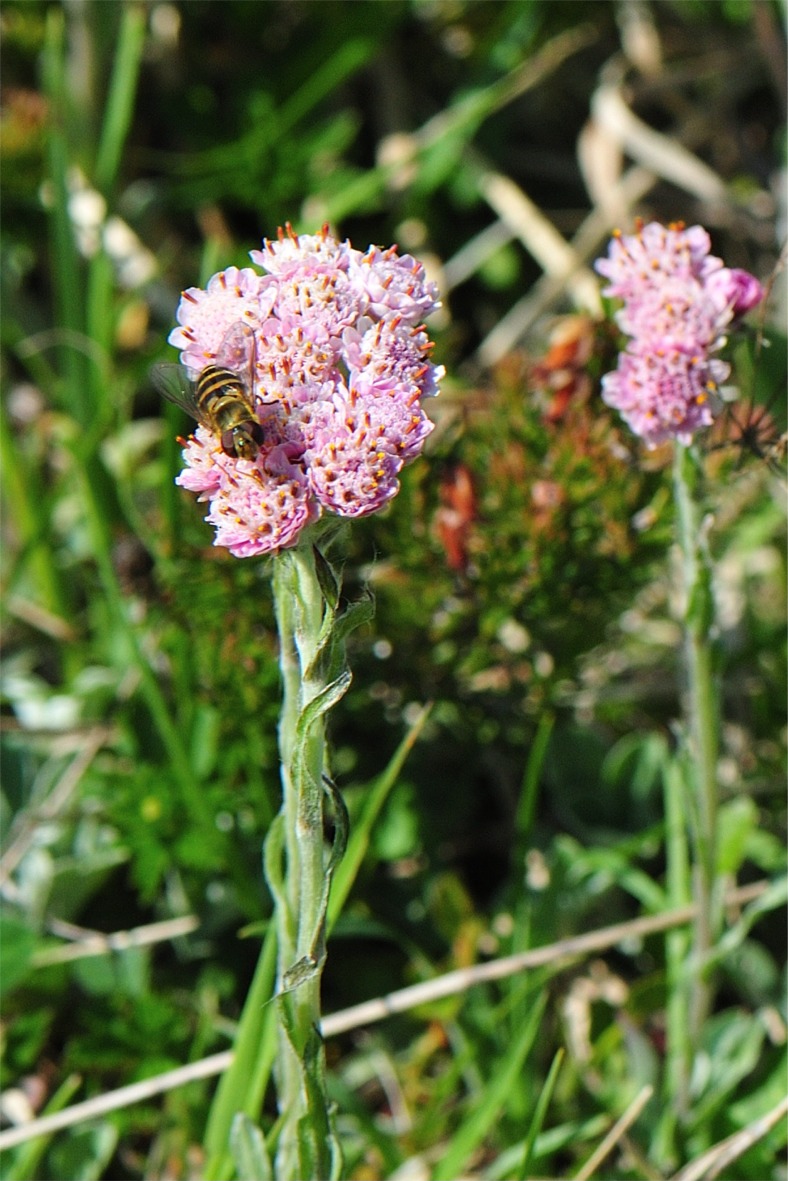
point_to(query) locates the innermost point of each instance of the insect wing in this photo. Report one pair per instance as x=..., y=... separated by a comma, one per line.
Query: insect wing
x=174, y=384
x=236, y=352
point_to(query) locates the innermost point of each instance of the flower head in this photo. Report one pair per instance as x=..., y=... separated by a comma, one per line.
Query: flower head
x=735, y=289
x=205, y=317
x=329, y=347
x=263, y=507
x=393, y=286
x=678, y=303
x=666, y=394
x=655, y=252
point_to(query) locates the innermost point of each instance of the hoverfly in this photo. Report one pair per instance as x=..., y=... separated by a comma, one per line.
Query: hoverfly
x=220, y=397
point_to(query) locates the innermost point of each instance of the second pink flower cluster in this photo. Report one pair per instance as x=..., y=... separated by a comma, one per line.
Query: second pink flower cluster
x=679, y=301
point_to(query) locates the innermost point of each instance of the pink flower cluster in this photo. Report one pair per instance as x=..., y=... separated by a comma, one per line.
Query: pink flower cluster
x=330, y=346
x=678, y=303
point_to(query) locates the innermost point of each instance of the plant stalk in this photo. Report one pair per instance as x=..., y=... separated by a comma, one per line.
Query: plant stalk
x=297, y=871
x=700, y=734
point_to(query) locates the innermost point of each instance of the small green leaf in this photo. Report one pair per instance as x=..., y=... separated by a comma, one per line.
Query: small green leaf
x=736, y=821
x=203, y=740
x=18, y=942
x=730, y=1050
x=325, y=700
x=303, y=970
x=354, y=616
x=341, y=823
x=85, y=1153
x=249, y=1150
x=273, y=852
x=329, y=583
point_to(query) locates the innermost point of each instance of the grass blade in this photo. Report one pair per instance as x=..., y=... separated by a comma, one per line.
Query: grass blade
x=67, y=269
x=536, y=756
x=120, y=100
x=539, y=1114
x=473, y=1131
x=243, y=1085
x=358, y=843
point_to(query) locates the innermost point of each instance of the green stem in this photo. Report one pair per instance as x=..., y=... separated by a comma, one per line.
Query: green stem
x=702, y=727
x=305, y=1143
x=678, y=945
x=298, y=868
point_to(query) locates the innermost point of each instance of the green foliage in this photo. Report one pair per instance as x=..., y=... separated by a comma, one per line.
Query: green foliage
x=18, y=941
x=249, y=1149
x=521, y=583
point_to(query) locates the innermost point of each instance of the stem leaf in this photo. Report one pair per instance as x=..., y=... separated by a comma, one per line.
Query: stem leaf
x=248, y=1147
x=329, y=583
x=320, y=704
x=354, y=616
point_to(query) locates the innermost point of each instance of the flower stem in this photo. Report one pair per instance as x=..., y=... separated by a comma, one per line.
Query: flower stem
x=312, y=628
x=701, y=735
x=297, y=870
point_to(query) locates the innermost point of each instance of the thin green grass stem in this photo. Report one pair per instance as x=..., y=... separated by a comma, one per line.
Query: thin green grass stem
x=27, y=1164
x=68, y=280
x=375, y=798
x=120, y=99
x=243, y=1085
x=529, y=793
x=701, y=733
x=100, y=330
x=540, y=1111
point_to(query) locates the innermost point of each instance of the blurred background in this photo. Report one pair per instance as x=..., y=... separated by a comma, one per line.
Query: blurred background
x=523, y=577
